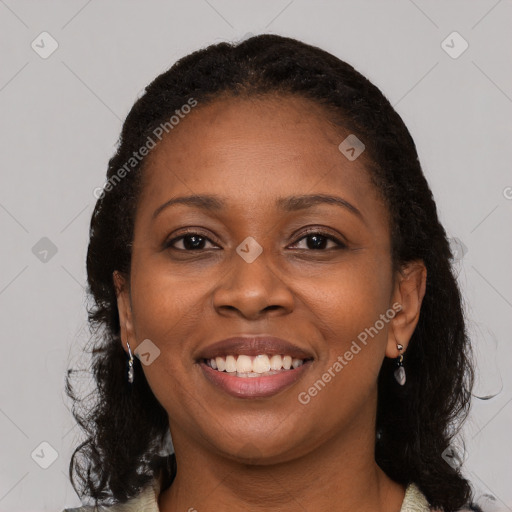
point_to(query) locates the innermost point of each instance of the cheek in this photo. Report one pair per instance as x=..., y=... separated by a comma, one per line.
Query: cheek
x=165, y=302
x=347, y=308
x=167, y=309
x=351, y=310
x=350, y=298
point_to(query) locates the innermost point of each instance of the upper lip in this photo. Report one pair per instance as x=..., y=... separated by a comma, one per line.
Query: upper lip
x=252, y=346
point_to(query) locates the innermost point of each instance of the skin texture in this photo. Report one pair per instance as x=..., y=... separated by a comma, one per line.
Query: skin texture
x=273, y=453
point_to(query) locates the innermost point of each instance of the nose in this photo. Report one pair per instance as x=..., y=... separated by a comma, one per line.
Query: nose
x=252, y=290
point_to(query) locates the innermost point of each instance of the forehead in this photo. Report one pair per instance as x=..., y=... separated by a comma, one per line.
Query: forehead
x=253, y=149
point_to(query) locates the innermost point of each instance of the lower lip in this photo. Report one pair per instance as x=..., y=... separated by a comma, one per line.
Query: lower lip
x=254, y=387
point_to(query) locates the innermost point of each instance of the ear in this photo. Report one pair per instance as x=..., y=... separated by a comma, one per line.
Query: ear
x=409, y=290
x=124, y=308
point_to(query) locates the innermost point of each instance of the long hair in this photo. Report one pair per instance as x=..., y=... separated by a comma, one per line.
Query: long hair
x=125, y=426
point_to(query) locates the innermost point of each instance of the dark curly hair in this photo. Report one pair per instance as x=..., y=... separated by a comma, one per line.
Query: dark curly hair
x=126, y=426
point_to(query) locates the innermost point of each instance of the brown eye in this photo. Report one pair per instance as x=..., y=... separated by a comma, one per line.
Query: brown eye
x=318, y=241
x=189, y=242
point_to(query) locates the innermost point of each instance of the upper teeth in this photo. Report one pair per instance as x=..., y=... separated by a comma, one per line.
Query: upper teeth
x=256, y=364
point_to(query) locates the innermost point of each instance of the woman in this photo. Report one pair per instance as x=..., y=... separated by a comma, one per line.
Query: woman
x=272, y=285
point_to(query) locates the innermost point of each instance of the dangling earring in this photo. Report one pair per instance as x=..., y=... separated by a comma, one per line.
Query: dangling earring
x=400, y=371
x=130, y=364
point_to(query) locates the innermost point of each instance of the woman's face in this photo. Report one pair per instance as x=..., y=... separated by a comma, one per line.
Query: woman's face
x=315, y=273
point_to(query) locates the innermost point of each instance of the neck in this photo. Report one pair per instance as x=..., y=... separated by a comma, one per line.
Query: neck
x=340, y=475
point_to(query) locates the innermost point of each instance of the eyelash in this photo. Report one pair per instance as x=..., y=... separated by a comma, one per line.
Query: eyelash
x=310, y=232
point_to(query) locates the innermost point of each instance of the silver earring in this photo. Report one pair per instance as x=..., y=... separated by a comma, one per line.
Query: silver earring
x=400, y=371
x=130, y=364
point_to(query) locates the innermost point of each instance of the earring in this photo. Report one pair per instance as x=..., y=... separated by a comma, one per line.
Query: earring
x=400, y=371
x=130, y=364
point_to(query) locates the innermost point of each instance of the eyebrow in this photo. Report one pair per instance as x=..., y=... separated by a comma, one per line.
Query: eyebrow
x=287, y=204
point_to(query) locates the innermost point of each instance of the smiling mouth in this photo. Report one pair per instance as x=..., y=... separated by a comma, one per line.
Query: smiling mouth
x=254, y=366
x=260, y=376
x=260, y=365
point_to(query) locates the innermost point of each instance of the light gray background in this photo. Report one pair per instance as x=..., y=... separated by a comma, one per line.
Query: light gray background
x=60, y=119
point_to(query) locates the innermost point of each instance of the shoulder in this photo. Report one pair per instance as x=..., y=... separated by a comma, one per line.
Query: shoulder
x=415, y=501
x=145, y=501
